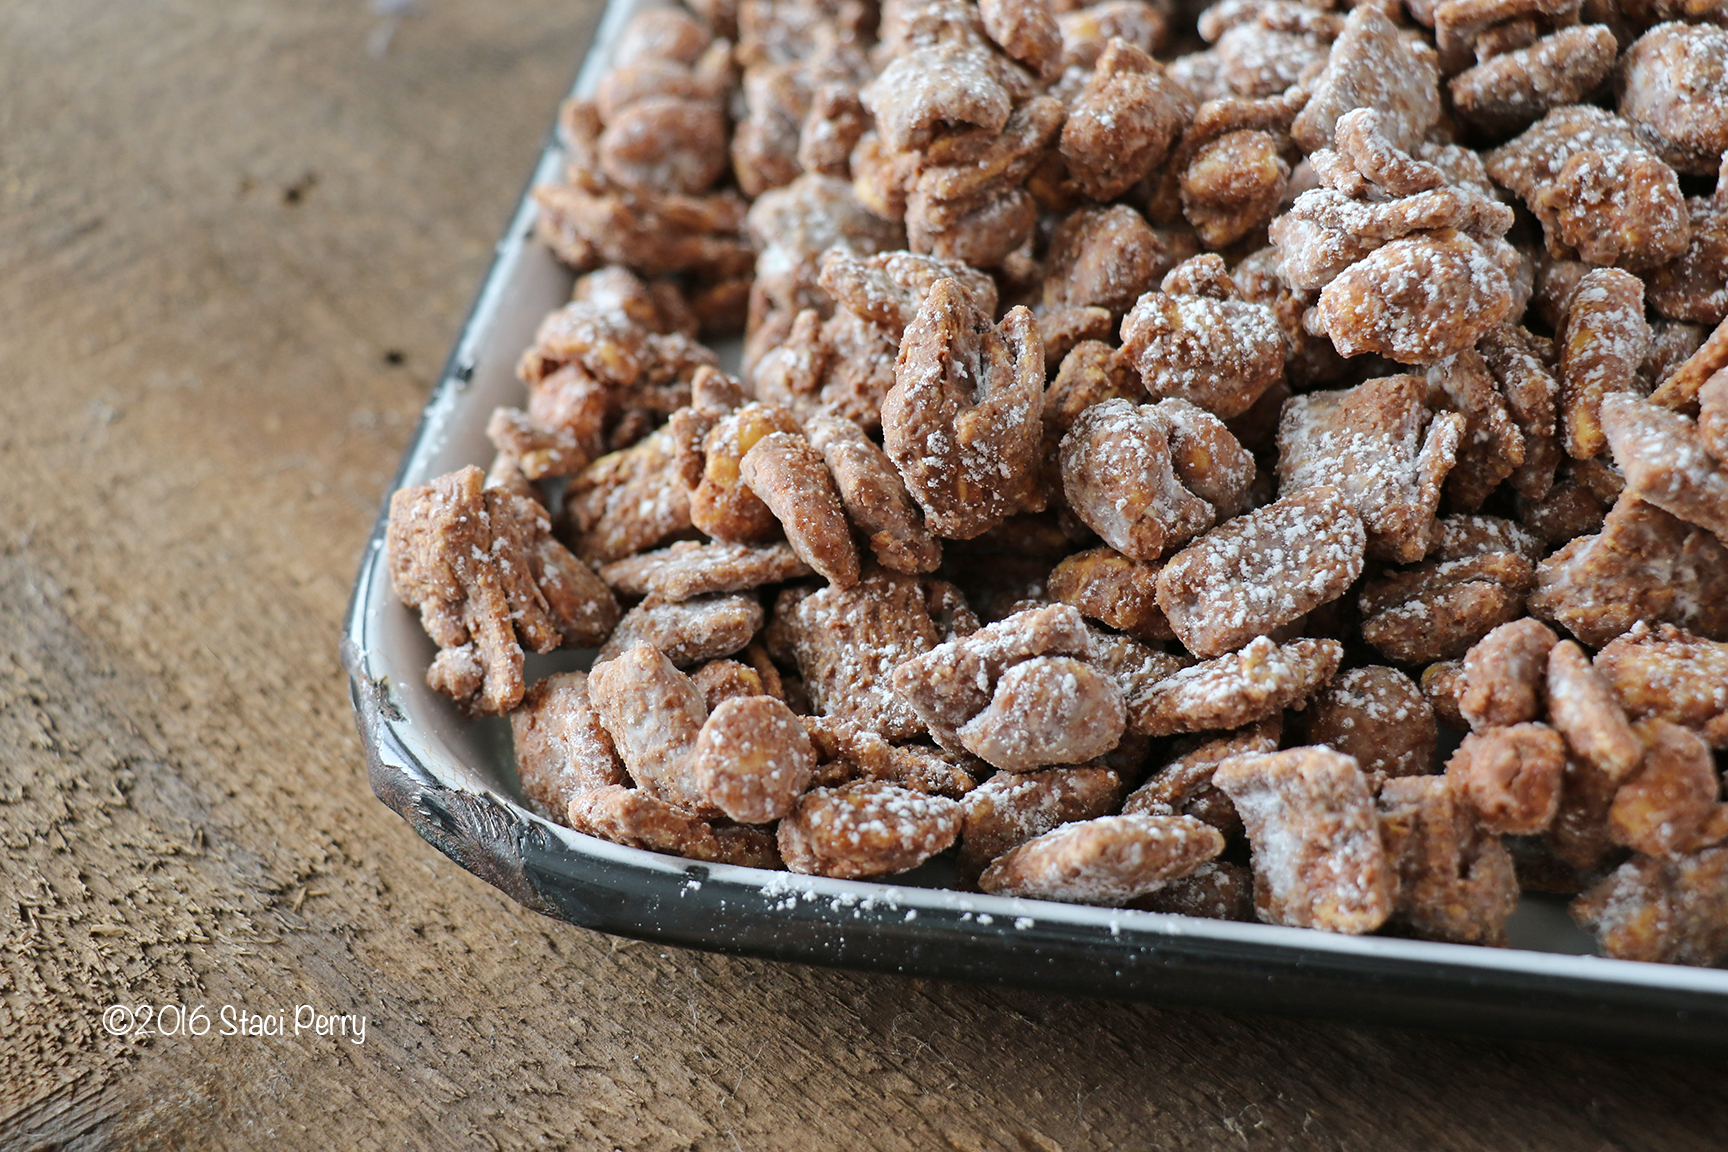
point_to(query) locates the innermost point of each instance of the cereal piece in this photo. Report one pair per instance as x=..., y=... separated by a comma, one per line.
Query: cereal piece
x=687, y=631
x=867, y=828
x=1208, y=459
x=1510, y=91
x=789, y=476
x=1644, y=565
x=752, y=759
x=1026, y=30
x=1308, y=359
x=653, y=235
x=1665, y=462
x=1108, y=860
x=1064, y=328
x=1013, y=807
x=874, y=496
x=1694, y=286
x=667, y=34
x=962, y=421
x=1506, y=674
x=665, y=144
x=1262, y=570
x=487, y=577
x=687, y=569
x=1671, y=88
x=719, y=680
x=1118, y=476
x=1666, y=807
x=1683, y=386
x=1231, y=186
x=1217, y=890
x=1369, y=442
x=1107, y=257
x=1511, y=776
x=1108, y=586
x=1669, y=674
x=1602, y=340
x=1439, y=609
x=889, y=288
x=832, y=127
x=1416, y=299
x=1125, y=122
x=1047, y=710
x=653, y=713
x=537, y=450
x=1377, y=715
x=1219, y=354
x=921, y=90
x=1091, y=373
x=1443, y=687
x=1318, y=860
x=638, y=819
x=1370, y=66
x=1184, y=786
x=1087, y=31
x=1264, y=56
x=1492, y=445
x=984, y=231
x=561, y=748
x=1668, y=910
x=724, y=505
x=1598, y=194
x=1519, y=364
x=1454, y=883
x=1236, y=689
x=625, y=501
x=848, y=642
x=1713, y=416
x=1579, y=835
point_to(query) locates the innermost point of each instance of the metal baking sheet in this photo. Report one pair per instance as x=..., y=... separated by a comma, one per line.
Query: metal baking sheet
x=454, y=781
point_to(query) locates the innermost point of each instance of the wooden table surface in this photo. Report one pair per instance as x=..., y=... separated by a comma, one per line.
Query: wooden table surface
x=234, y=247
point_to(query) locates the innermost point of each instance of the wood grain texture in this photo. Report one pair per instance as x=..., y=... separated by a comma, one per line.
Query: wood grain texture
x=218, y=220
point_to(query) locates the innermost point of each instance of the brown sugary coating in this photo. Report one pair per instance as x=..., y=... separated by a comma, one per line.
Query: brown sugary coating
x=664, y=34
x=1416, y=299
x=1047, y=710
x=1371, y=66
x=1124, y=123
x=1443, y=687
x=1107, y=257
x=1519, y=363
x=1262, y=570
x=1670, y=674
x=483, y=569
x=719, y=680
x=1601, y=343
x=959, y=168
x=1454, y=882
x=873, y=495
x=1027, y=31
x=1184, y=786
x=1108, y=586
x=1217, y=890
x=752, y=759
x=724, y=505
x=1579, y=834
x=1505, y=675
x=1668, y=910
x=626, y=501
x=848, y=642
x=687, y=631
x=1694, y=285
x=665, y=144
x=1109, y=860
x=927, y=87
x=1507, y=92
x=866, y=828
x=1209, y=460
x=1682, y=387
x=983, y=231
x=889, y=288
x=638, y=819
x=653, y=713
x=1062, y=329
x=1439, y=609
x=1091, y=373
x=1266, y=56
x=1669, y=805
x=1118, y=476
x=1013, y=807
x=1219, y=354
x=1377, y=715
x=1598, y=194
x=685, y=569
x=789, y=476
x=1713, y=416
x=1673, y=88
x=1644, y=565
x=1086, y=31
x=1308, y=359
x=1318, y=859
x=1511, y=776
x=1232, y=185
x=1236, y=689
x=561, y=748
x=1378, y=444
x=1665, y=461
x=861, y=754
x=1491, y=447
x=652, y=235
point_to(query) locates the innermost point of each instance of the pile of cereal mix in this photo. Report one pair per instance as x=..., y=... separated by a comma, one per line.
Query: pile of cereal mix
x=1161, y=435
